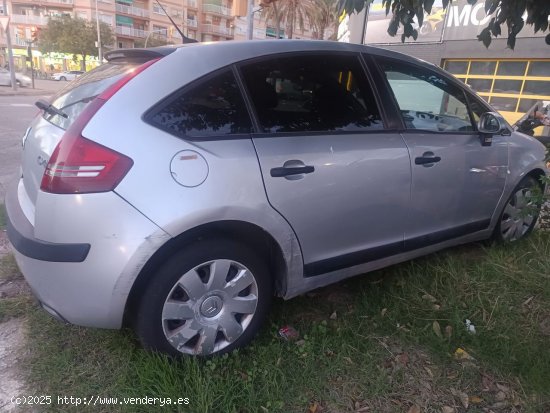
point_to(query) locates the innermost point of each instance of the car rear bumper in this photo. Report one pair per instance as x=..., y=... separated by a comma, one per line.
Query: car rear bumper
x=20, y=234
x=84, y=283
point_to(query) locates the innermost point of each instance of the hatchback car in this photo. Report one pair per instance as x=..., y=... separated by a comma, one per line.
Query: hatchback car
x=67, y=75
x=20, y=79
x=178, y=189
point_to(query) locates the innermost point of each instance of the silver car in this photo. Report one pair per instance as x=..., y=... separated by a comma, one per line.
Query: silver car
x=178, y=189
x=67, y=75
x=20, y=79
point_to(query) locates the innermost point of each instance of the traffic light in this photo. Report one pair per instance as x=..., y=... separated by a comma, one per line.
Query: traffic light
x=34, y=33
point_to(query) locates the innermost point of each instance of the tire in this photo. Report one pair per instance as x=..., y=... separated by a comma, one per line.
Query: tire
x=63, y=78
x=520, y=214
x=186, y=307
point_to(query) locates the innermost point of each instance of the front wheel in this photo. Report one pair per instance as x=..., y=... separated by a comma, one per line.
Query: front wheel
x=63, y=78
x=209, y=299
x=520, y=213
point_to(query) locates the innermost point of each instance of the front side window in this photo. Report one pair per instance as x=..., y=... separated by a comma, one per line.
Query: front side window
x=211, y=107
x=311, y=93
x=427, y=100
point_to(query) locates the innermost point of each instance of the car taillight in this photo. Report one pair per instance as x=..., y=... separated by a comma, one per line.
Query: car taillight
x=79, y=165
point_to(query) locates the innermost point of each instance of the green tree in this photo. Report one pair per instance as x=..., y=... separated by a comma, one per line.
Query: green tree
x=324, y=14
x=73, y=35
x=154, y=40
x=503, y=11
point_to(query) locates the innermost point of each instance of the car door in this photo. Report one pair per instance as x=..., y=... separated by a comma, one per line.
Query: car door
x=456, y=180
x=329, y=166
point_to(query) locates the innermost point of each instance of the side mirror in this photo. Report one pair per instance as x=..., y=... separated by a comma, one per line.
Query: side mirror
x=491, y=123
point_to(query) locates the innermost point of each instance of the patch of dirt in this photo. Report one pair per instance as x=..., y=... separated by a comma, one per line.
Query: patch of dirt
x=12, y=337
x=4, y=243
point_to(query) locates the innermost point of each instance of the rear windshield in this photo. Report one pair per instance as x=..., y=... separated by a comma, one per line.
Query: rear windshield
x=77, y=94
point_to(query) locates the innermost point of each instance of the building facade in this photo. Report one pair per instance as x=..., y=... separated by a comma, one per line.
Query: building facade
x=133, y=22
x=512, y=81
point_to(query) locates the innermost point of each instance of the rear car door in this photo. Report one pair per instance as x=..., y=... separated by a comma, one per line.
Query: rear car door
x=456, y=181
x=329, y=166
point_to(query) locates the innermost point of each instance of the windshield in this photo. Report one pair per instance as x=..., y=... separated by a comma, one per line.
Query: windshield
x=74, y=98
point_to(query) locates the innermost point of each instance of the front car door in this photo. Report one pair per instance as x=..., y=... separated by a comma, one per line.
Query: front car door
x=330, y=168
x=456, y=181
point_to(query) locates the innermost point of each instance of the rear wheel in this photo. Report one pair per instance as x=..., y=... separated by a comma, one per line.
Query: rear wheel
x=520, y=213
x=209, y=299
x=63, y=78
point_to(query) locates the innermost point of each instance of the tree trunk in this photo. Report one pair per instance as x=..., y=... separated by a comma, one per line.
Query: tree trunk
x=83, y=63
x=277, y=21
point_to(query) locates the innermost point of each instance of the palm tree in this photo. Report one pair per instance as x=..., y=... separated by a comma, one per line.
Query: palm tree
x=295, y=11
x=272, y=13
x=325, y=14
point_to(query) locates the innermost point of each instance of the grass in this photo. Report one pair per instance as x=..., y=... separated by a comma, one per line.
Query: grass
x=2, y=217
x=388, y=346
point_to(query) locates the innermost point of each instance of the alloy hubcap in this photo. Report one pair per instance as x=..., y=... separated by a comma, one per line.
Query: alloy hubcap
x=209, y=307
x=518, y=216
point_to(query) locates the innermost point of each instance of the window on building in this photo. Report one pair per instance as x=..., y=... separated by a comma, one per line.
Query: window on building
x=311, y=94
x=509, y=85
x=160, y=30
x=158, y=10
x=212, y=107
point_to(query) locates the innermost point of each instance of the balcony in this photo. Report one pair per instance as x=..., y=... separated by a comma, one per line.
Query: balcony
x=34, y=20
x=18, y=41
x=215, y=9
x=132, y=11
x=58, y=3
x=192, y=23
x=216, y=30
x=130, y=32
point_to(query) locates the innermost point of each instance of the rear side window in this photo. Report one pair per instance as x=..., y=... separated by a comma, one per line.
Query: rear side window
x=311, y=93
x=427, y=100
x=76, y=95
x=211, y=107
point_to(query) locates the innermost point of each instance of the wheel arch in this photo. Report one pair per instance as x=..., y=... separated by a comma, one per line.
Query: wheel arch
x=246, y=233
x=537, y=174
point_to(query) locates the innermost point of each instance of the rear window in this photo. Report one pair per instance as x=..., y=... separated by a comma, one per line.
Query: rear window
x=78, y=94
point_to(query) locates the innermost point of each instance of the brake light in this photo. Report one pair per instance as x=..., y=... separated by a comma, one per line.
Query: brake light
x=79, y=165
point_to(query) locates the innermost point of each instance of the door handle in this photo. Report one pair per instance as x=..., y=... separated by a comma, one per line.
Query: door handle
x=293, y=170
x=427, y=158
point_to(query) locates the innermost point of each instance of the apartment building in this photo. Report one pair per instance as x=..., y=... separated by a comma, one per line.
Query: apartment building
x=134, y=22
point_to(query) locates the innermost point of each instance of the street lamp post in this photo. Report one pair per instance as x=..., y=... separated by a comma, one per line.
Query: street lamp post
x=99, y=47
x=250, y=21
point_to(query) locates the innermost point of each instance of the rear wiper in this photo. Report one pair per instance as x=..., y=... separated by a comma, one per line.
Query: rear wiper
x=52, y=110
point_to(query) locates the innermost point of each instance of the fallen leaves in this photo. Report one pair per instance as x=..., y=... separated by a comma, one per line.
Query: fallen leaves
x=414, y=409
x=437, y=329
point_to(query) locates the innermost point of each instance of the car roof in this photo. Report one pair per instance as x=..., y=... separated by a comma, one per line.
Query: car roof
x=262, y=47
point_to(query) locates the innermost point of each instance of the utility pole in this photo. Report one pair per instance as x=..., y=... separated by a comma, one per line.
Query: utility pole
x=250, y=20
x=99, y=48
x=10, y=51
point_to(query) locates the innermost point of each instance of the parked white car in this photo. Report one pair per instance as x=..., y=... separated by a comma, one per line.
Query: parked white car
x=20, y=79
x=67, y=75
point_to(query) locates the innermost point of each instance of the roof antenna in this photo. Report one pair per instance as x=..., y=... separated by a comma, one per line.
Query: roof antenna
x=184, y=38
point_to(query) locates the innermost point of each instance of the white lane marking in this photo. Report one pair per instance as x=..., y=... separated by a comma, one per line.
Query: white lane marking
x=26, y=105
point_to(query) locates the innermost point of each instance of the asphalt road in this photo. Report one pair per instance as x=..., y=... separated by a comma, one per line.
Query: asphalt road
x=16, y=112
